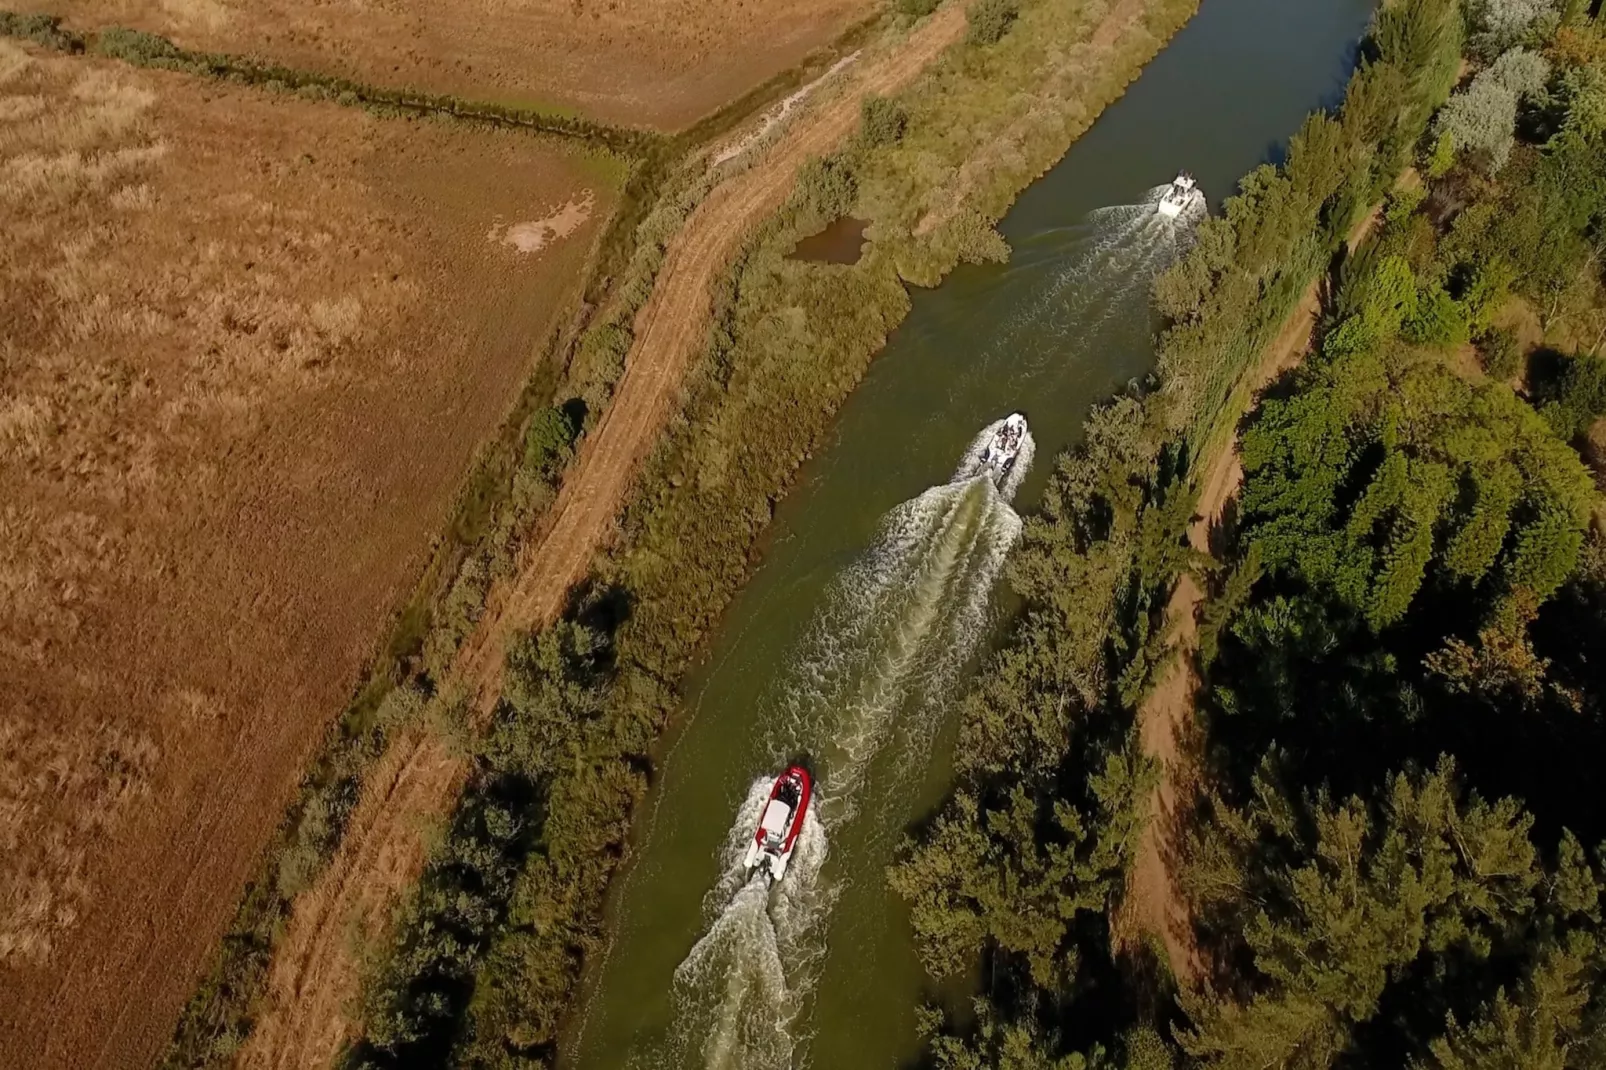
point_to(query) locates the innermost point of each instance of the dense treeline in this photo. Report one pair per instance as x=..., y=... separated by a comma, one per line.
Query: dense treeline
x=1397, y=861
x=491, y=944
x=1021, y=870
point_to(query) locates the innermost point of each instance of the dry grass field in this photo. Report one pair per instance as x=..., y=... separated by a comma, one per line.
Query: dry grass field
x=661, y=64
x=248, y=346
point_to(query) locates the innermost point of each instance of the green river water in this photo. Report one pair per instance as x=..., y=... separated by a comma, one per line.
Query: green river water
x=877, y=592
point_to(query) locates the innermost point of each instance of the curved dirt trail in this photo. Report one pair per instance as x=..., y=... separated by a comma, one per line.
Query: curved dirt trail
x=1154, y=903
x=315, y=975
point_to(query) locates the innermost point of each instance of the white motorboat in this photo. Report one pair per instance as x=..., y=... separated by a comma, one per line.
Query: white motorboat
x=1182, y=193
x=1000, y=453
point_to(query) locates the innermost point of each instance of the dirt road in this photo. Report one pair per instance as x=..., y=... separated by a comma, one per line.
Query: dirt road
x=1153, y=902
x=314, y=977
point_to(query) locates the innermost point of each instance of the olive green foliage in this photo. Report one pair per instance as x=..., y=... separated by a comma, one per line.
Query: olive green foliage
x=41, y=30
x=1022, y=866
x=884, y=120
x=1577, y=397
x=990, y=20
x=477, y=878
x=915, y=8
x=1339, y=900
x=138, y=47
x=827, y=187
x=1501, y=354
x=481, y=975
x=1381, y=468
x=1441, y=157
x=1537, y=230
x=216, y=1022
x=1404, y=708
x=548, y=440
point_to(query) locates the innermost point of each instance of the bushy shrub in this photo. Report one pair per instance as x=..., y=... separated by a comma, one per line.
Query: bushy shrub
x=884, y=120
x=548, y=440
x=1441, y=158
x=826, y=187
x=41, y=30
x=990, y=20
x=1499, y=24
x=1500, y=353
x=1582, y=96
x=1147, y=1050
x=1576, y=398
x=1483, y=118
x=918, y=9
x=1438, y=321
x=1521, y=71
x=599, y=361
x=138, y=47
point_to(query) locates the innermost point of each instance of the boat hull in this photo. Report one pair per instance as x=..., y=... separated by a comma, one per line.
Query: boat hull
x=780, y=825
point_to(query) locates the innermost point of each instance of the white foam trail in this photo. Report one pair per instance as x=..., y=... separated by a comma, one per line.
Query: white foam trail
x=744, y=983
x=1106, y=275
x=895, y=629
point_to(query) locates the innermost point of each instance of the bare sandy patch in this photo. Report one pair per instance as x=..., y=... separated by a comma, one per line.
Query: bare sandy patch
x=535, y=235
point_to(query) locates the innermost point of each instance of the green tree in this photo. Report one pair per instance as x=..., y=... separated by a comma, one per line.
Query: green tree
x=1501, y=354
x=990, y=20
x=884, y=120
x=549, y=440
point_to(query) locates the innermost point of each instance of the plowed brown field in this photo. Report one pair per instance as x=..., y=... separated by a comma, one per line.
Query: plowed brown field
x=248, y=346
x=646, y=63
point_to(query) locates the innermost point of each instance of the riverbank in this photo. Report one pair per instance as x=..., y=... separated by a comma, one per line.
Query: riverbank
x=707, y=492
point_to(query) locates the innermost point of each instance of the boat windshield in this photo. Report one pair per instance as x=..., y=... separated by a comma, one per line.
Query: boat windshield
x=776, y=816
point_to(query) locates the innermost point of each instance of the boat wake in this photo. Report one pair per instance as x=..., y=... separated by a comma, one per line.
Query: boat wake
x=1109, y=264
x=862, y=700
x=743, y=985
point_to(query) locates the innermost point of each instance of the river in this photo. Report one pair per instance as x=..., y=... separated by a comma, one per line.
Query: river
x=849, y=644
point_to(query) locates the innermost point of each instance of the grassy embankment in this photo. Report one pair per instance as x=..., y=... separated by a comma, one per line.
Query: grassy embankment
x=1022, y=868
x=515, y=476
x=492, y=942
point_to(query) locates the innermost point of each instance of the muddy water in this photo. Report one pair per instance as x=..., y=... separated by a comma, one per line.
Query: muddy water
x=849, y=643
x=841, y=242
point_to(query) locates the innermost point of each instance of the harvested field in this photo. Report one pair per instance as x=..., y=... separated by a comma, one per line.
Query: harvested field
x=248, y=347
x=659, y=64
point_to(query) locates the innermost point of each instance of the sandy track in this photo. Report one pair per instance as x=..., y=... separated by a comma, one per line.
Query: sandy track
x=299, y=1027
x=314, y=977
x=1154, y=904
